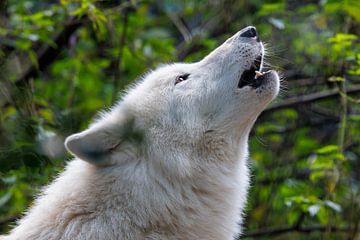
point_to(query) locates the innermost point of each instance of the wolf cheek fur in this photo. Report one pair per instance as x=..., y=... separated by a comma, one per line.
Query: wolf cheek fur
x=168, y=161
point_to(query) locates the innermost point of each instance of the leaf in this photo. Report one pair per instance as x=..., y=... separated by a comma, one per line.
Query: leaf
x=33, y=37
x=342, y=38
x=33, y=58
x=355, y=118
x=9, y=180
x=7, y=113
x=4, y=199
x=64, y=2
x=322, y=215
x=328, y=149
x=316, y=175
x=336, y=207
x=23, y=44
x=353, y=9
x=278, y=23
x=47, y=115
x=336, y=79
x=314, y=209
x=271, y=8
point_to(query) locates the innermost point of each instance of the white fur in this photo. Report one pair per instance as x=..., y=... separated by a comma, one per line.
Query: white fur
x=167, y=162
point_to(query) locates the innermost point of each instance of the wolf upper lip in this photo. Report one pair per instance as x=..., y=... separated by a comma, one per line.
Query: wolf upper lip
x=252, y=77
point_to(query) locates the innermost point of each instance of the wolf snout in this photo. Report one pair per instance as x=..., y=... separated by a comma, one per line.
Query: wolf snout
x=249, y=32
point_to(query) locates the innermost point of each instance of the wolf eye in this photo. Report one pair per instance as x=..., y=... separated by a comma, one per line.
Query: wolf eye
x=182, y=78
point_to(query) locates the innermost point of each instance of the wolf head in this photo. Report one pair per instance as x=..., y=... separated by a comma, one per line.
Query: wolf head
x=179, y=110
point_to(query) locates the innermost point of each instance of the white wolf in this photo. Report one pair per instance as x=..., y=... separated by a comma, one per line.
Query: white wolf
x=169, y=161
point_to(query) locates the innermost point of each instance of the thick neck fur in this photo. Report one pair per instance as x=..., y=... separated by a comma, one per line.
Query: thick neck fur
x=198, y=201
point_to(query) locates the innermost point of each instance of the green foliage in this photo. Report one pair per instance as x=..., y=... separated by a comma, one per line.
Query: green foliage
x=305, y=159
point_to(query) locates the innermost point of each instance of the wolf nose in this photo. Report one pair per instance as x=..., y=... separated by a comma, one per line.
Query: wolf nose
x=248, y=32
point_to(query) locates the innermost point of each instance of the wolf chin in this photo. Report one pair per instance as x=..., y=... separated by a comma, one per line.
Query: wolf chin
x=168, y=161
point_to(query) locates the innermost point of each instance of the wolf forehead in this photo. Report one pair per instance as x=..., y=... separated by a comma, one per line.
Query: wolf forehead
x=165, y=72
x=162, y=85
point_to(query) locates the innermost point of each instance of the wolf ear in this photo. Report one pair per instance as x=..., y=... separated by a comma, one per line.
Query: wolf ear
x=92, y=145
x=96, y=144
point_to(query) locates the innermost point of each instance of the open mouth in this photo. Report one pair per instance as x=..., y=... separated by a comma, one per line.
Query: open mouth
x=253, y=76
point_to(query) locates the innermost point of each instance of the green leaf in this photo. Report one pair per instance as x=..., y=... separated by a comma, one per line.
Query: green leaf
x=336, y=79
x=9, y=180
x=5, y=199
x=278, y=23
x=342, y=38
x=33, y=58
x=314, y=209
x=334, y=206
x=355, y=118
x=352, y=7
x=271, y=8
x=322, y=215
x=316, y=175
x=328, y=149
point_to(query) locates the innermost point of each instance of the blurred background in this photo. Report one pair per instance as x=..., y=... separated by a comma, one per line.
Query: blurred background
x=62, y=61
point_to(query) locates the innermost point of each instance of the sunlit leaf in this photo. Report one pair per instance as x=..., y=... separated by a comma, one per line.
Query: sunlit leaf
x=328, y=149
x=336, y=207
x=5, y=198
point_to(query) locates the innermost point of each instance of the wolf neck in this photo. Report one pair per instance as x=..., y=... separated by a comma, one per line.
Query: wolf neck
x=217, y=181
x=215, y=178
x=184, y=155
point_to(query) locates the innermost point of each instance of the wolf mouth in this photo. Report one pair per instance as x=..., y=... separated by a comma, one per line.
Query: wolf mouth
x=253, y=76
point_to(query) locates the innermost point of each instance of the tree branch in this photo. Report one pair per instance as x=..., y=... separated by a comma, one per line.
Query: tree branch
x=175, y=19
x=117, y=64
x=310, y=98
x=301, y=229
x=47, y=54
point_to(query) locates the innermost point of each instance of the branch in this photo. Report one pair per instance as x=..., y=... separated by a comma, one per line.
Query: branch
x=305, y=82
x=175, y=19
x=47, y=54
x=285, y=229
x=310, y=98
x=117, y=64
x=280, y=179
x=214, y=27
